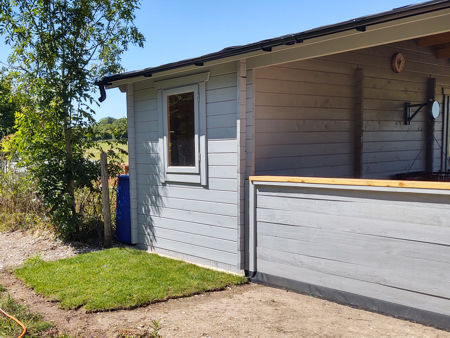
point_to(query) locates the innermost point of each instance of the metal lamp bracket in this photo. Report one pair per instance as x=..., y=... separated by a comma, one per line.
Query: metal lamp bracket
x=435, y=110
x=408, y=106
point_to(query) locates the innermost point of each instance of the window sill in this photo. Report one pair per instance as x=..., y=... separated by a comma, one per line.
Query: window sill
x=183, y=178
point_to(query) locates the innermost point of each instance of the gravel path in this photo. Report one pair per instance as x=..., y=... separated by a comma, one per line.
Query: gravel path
x=250, y=310
x=16, y=247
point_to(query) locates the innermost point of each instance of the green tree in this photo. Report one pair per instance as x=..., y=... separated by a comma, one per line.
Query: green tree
x=9, y=104
x=109, y=128
x=120, y=130
x=59, y=49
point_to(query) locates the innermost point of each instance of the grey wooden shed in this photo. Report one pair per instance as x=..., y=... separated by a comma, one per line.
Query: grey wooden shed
x=281, y=159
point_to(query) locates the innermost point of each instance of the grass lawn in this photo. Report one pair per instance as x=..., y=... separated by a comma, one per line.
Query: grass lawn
x=119, y=278
x=104, y=145
x=34, y=323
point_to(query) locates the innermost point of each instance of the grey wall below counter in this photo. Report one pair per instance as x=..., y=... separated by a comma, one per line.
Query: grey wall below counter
x=388, y=247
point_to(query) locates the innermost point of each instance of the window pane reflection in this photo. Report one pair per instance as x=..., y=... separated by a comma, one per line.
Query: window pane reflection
x=181, y=124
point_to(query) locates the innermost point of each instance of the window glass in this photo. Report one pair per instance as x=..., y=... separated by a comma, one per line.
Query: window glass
x=181, y=128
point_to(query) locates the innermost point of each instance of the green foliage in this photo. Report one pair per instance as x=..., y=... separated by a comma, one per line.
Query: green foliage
x=120, y=278
x=59, y=49
x=20, y=205
x=110, y=128
x=36, y=326
x=89, y=207
x=155, y=326
x=22, y=208
x=9, y=104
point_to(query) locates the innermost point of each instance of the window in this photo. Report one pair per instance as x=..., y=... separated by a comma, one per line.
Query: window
x=183, y=130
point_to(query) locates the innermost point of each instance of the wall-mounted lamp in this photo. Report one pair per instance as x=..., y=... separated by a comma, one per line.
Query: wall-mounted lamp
x=435, y=110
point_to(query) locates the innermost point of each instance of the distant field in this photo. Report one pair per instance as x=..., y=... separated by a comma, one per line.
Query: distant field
x=107, y=146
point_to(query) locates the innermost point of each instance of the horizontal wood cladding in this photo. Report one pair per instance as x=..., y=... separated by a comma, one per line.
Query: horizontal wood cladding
x=391, y=244
x=317, y=149
x=199, y=223
x=324, y=170
x=191, y=252
x=302, y=121
x=224, y=239
x=309, y=104
x=207, y=207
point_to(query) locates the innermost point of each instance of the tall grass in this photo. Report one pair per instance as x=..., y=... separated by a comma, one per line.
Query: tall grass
x=20, y=204
x=21, y=207
x=89, y=207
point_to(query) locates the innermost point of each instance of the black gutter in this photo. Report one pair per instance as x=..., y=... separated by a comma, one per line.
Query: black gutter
x=359, y=24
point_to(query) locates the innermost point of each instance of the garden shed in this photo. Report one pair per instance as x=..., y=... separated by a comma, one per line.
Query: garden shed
x=315, y=161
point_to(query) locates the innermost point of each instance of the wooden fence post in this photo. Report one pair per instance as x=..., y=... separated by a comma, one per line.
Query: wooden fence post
x=107, y=241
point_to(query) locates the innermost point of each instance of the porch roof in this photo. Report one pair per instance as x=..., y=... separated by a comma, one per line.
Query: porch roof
x=360, y=24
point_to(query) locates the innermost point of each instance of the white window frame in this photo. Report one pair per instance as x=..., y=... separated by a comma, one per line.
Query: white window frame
x=192, y=83
x=181, y=169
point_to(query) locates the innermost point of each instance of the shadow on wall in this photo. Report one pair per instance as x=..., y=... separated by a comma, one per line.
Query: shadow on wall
x=149, y=191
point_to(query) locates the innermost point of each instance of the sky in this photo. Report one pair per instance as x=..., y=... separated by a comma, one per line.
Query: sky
x=181, y=29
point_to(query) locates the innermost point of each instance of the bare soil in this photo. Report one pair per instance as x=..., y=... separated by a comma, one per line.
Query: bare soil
x=250, y=310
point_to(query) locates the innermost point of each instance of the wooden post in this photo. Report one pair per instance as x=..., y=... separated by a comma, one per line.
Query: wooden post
x=358, y=91
x=107, y=241
x=446, y=127
x=429, y=124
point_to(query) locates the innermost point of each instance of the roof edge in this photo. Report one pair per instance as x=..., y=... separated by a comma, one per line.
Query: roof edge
x=359, y=24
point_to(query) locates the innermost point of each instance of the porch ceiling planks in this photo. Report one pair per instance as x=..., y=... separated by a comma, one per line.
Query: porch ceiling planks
x=439, y=42
x=443, y=52
x=433, y=40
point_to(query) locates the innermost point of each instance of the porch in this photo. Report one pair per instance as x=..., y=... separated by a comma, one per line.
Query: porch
x=378, y=245
x=341, y=225
x=343, y=115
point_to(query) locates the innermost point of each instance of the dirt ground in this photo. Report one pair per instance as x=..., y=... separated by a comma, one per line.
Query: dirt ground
x=245, y=311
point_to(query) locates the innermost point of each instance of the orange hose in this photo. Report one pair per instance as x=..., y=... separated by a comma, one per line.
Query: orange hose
x=24, y=328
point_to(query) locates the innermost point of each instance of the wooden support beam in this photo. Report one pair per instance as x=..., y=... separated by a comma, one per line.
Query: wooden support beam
x=445, y=125
x=358, y=78
x=432, y=40
x=443, y=52
x=240, y=164
x=107, y=240
x=429, y=133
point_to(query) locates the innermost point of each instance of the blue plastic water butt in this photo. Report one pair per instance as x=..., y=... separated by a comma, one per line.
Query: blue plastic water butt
x=123, y=220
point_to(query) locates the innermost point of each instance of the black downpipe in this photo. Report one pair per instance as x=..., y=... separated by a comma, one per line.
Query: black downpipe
x=250, y=274
x=102, y=93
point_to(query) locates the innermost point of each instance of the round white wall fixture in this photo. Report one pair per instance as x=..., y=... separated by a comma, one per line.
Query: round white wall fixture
x=435, y=110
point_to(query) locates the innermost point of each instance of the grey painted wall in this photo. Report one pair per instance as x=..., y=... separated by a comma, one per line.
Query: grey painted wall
x=391, y=244
x=303, y=111
x=187, y=220
x=293, y=119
